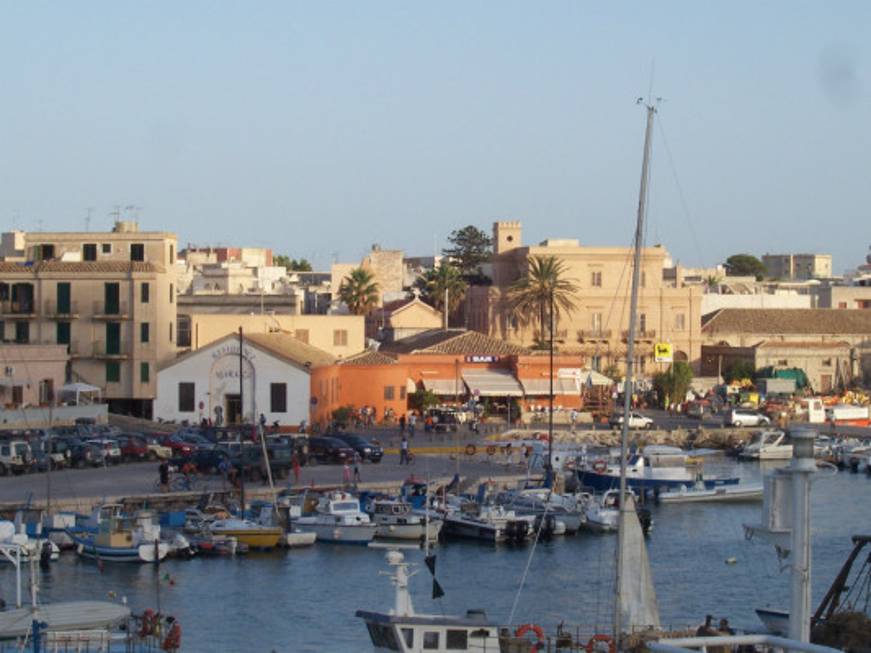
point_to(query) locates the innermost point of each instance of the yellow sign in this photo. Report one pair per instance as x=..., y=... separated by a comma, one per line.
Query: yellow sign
x=662, y=352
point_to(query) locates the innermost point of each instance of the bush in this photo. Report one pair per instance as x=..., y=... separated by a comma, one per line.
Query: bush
x=673, y=384
x=342, y=415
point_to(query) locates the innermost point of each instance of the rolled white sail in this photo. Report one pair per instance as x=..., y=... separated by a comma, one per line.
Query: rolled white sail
x=638, y=606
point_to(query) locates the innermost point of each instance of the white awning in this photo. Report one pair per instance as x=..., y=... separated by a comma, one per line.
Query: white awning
x=592, y=377
x=445, y=387
x=487, y=383
x=541, y=387
x=79, y=387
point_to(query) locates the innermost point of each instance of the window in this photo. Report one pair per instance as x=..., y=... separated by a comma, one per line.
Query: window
x=144, y=293
x=89, y=252
x=63, y=298
x=170, y=331
x=185, y=397
x=171, y=294
x=2, y=331
x=642, y=322
x=107, y=248
x=137, y=252
x=113, y=372
x=17, y=395
x=171, y=254
x=430, y=640
x=46, y=391
x=63, y=333
x=144, y=329
x=301, y=335
x=388, y=392
x=457, y=640
x=679, y=322
x=113, y=338
x=340, y=338
x=408, y=636
x=842, y=304
x=22, y=332
x=46, y=252
x=402, y=392
x=144, y=372
x=112, y=295
x=278, y=397
x=597, y=322
x=596, y=279
x=783, y=362
x=827, y=362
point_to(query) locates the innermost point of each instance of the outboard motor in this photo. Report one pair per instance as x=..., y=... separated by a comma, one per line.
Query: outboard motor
x=645, y=519
x=45, y=555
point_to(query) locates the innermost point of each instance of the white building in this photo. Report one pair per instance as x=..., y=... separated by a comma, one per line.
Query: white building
x=204, y=384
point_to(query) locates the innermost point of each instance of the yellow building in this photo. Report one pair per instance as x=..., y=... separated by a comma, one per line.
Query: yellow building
x=598, y=328
x=108, y=296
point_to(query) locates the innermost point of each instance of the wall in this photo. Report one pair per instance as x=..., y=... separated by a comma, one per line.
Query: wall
x=712, y=301
x=844, y=297
x=334, y=386
x=26, y=366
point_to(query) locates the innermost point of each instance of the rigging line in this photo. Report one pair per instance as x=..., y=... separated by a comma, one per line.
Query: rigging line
x=680, y=192
x=529, y=559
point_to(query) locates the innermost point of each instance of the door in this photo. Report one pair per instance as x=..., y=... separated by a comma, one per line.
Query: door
x=233, y=409
x=825, y=383
x=112, y=299
x=113, y=338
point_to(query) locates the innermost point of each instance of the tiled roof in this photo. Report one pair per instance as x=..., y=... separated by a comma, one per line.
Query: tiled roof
x=791, y=321
x=286, y=346
x=399, y=304
x=86, y=267
x=802, y=344
x=452, y=341
x=368, y=357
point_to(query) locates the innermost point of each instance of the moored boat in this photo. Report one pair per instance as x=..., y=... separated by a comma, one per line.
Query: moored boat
x=111, y=535
x=251, y=534
x=724, y=493
x=396, y=520
x=338, y=518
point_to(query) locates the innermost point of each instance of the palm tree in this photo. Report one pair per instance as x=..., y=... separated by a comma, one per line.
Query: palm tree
x=712, y=284
x=544, y=285
x=359, y=291
x=434, y=282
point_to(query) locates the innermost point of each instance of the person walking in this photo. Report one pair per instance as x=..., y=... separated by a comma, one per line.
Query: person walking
x=357, y=478
x=412, y=421
x=403, y=451
x=574, y=418
x=402, y=424
x=294, y=463
x=346, y=475
x=163, y=474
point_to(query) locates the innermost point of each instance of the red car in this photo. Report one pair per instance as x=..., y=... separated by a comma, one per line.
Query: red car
x=178, y=445
x=133, y=447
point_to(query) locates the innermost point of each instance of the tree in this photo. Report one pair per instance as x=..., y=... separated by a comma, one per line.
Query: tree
x=745, y=265
x=292, y=265
x=673, y=384
x=422, y=400
x=712, y=284
x=470, y=248
x=433, y=283
x=544, y=284
x=359, y=291
x=740, y=369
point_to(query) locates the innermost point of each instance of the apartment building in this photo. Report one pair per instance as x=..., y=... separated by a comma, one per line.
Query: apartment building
x=108, y=296
x=798, y=267
x=598, y=327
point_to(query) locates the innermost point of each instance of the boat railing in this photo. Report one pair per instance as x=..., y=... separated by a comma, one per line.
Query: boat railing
x=693, y=644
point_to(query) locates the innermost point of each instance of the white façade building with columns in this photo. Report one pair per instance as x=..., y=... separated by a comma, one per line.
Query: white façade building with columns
x=275, y=373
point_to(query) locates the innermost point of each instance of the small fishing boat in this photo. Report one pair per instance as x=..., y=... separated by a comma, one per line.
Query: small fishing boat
x=396, y=520
x=338, y=518
x=252, y=534
x=539, y=501
x=767, y=445
x=725, y=493
x=30, y=546
x=112, y=536
x=491, y=523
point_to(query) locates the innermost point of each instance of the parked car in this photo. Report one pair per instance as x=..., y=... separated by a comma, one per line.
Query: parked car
x=367, y=448
x=110, y=452
x=178, y=445
x=636, y=421
x=41, y=461
x=58, y=449
x=84, y=454
x=745, y=417
x=156, y=450
x=15, y=457
x=329, y=450
x=133, y=448
x=207, y=461
x=443, y=420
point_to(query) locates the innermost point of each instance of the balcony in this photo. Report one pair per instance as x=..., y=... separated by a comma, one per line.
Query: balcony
x=587, y=335
x=641, y=334
x=102, y=311
x=109, y=353
x=53, y=311
x=22, y=309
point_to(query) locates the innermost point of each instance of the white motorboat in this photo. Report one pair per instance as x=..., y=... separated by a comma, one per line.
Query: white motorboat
x=489, y=523
x=37, y=547
x=396, y=520
x=539, y=501
x=338, y=518
x=725, y=493
x=768, y=445
x=602, y=513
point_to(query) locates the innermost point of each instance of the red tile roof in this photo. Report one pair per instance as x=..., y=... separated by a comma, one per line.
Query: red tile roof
x=788, y=321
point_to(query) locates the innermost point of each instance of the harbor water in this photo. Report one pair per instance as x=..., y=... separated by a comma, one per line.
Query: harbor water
x=304, y=600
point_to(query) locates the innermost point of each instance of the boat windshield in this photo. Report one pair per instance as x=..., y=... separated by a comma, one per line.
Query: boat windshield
x=344, y=506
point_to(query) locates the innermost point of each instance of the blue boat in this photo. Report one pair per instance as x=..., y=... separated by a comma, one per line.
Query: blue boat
x=110, y=535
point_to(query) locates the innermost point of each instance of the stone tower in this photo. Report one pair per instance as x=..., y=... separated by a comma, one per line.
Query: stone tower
x=506, y=236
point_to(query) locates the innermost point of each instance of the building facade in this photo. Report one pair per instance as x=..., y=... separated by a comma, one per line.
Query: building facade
x=798, y=267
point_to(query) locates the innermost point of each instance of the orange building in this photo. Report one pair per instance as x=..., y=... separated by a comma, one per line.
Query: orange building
x=454, y=364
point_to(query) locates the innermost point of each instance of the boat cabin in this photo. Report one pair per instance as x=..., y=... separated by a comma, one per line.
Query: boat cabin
x=410, y=634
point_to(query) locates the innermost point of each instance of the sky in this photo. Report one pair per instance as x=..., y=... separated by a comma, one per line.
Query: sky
x=322, y=128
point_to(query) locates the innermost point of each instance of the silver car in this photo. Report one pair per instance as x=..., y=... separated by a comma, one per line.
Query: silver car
x=745, y=417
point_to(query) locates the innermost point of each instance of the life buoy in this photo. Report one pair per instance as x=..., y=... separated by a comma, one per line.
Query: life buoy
x=539, y=635
x=491, y=449
x=600, y=466
x=149, y=621
x=471, y=449
x=591, y=645
x=173, y=638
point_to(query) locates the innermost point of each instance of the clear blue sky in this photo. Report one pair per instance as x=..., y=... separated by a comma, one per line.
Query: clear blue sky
x=323, y=127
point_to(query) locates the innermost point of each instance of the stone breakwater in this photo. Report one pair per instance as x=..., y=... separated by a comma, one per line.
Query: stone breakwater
x=698, y=438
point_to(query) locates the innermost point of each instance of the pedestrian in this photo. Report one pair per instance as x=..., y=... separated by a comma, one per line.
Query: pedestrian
x=412, y=420
x=163, y=473
x=403, y=451
x=402, y=424
x=346, y=474
x=262, y=422
x=357, y=478
x=294, y=463
x=574, y=418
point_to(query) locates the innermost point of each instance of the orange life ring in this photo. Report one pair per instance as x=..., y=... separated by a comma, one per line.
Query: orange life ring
x=471, y=449
x=600, y=466
x=491, y=449
x=591, y=645
x=539, y=635
x=173, y=638
x=149, y=622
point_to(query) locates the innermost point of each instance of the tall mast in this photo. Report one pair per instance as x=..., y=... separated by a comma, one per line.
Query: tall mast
x=630, y=353
x=241, y=395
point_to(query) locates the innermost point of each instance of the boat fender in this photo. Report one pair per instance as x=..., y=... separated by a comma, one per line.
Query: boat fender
x=471, y=449
x=539, y=635
x=149, y=622
x=173, y=637
x=600, y=466
x=605, y=639
x=491, y=449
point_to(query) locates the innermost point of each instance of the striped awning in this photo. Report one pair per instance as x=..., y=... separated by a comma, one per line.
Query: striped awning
x=541, y=387
x=488, y=383
x=444, y=387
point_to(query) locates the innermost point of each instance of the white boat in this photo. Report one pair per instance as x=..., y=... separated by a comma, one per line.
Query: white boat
x=338, y=518
x=36, y=547
x=489, y=523
x=396, y=520
x=297, y=539
x=725, y=493
x=602, y=513
x=768, y=445
x=540, y=501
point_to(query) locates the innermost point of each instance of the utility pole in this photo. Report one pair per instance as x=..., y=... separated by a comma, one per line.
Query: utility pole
x=627, y=383
x=447, y=291
x=550, y=474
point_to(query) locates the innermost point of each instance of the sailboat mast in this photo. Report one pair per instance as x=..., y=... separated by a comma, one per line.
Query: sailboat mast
x=630, y=353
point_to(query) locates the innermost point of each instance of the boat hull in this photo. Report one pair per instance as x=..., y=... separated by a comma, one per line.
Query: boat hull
x=408, y=531
x=339, y=533
x=86, y=548
x=297, y=539
x=260, y=538
x=724, y=494
x=605, y=482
